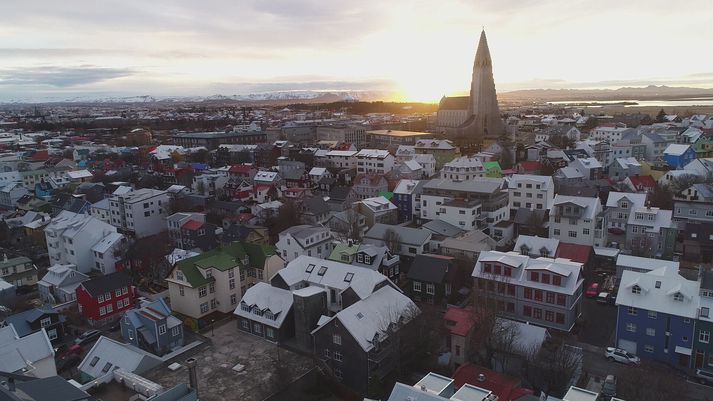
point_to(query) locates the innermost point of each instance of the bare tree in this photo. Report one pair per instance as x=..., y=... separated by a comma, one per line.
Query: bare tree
x=554, y=367
x=392, y=239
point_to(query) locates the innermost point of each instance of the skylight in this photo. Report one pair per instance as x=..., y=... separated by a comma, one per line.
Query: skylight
x=322, y=270
x=310, y=268
x=348, y=278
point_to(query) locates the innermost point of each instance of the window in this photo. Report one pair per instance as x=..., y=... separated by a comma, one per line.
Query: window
x=102, y=311
x=213, y=304
x=631, y=327
x=545, y=278
x=556, y=231
x=537, y=313
x=527, y=311
x=572, y=234
x=204, y=307
x=202, y=292
x=561, y=299
x=176, y=331
x=556, y=280
x=636, y=289
x=337, y=356
x=585, y=231
x=704, y=312
x=337, y=339
x=106, y=367
x=109, y=308
x=560, y=318
x=650, y=332
x=245, y=324
x=704, y=336
x=487, y=267
x=257, y=328
x=309, y=268
x=678, y=297
x=101, y=298
x=181, y=291
x=652, y=314
x=327, y=354
x=118, y=292
x=322, y=270
x=649, y=348
x=45, y=322
x=233, y=299
x=430, y=288
x=632, y=311
x=52, y=334
x=528, y=293
x=549, y=316
x=417, y=286
x=94, y=361
x=511, y=289
x=338, y=374
x=538, y=295
x=162, y=329
x=211, y=287
x=535, y=276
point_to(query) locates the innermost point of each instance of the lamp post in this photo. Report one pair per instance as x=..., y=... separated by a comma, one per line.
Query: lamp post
x=212, y=326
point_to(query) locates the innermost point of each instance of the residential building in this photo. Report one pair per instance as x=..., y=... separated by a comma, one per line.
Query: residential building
x=432, y=278
x=624, y=167
x=377, y=210
x=191, y=231
x=656, y=313
x=533, y=192
x=374, y=161
x=369, y=186
x=378, y=258
x=343, y=133
x=590, y=167
x=678, y=155
x=576, y=219
x=467, y=246
x=108, y=355
x=109, y=252
x=10, y=194
x=44, y=318
x=460, y=323
x=542, y=291
x=608, y=133
x=152, y=327
x=140, y=213
x=104, y=299
x=342, y=159
x=442, y=150
x=434, y=387
x=616, y=215
x=694, y=204
x=216, y=280
x=70, y=238
x=304, y=240
x=19, y=271
x=404, y=241
x=650, y=232
x=472, y=204
x=407, y=198
x=536, y=246
x=58, y=287
x=212, y=140
x=463, y=168
x=364, y=341
x=31, y=355
x=702, y=344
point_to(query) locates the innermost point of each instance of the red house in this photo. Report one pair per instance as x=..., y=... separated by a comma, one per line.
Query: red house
x=105, y=298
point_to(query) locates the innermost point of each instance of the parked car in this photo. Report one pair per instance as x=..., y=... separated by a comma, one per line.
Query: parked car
x=704, y=377
x=621, y=356
x=605, y=298
x=609, y=386
x=592, y=290
x=87, y=337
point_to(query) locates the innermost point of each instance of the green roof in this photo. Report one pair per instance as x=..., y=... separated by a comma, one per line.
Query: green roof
x=387, y=195
x=492, y=165
x=14, y=261
x=223, y=259
x=343, y=248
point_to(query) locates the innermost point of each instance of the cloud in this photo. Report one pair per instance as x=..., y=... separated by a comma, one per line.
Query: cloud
x=61, y=77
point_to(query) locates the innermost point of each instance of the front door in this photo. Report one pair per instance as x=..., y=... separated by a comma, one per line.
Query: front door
x=699, y=359
x=683, y=360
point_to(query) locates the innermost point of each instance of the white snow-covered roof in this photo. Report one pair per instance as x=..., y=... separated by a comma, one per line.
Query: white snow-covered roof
x=373, y=153
x=636, y=199
x=535, y=244
x=378, y=204
x=590, y=205
x=332, y=274
x=406, y=186
x=112, y=355
x=107, y=242
x=676, y=149
x=639, y=263
x=367, y=318
x=660, y=299
x=263, y=297
x=569, y=172
x=413, y=165
x=317, y=171
x=341, y=153
x=17, y=353
x=79, y=174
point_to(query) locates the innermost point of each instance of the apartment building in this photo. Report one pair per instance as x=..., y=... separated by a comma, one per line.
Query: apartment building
x=476, y=203
x=139, y=213
x=543, y=291
x=463, y=168
x=576, y=220
x=304, y=240
x=533, y=192
x=374, y=161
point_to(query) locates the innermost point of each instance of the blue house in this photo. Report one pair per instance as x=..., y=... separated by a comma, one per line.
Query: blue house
x=153, y=328
x=678, y=155
x=404, y=198
x=656, y=314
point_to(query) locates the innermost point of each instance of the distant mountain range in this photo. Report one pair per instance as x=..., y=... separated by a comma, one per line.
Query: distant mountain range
x=270, y=98
x=651, y=92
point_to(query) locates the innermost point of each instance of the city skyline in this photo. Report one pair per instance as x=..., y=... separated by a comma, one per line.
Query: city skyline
x=414, y=51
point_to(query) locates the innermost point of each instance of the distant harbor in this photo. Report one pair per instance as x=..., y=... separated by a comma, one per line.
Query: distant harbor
x=695, y=101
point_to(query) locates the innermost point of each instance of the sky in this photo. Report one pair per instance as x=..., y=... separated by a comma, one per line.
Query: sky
x=412, y=50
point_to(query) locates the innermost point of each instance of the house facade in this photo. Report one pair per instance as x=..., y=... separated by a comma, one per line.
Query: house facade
x=152, y=327
x=534, y=192
x=543, y=291
x=575, y=219
x=304, y=240
x=104, y=299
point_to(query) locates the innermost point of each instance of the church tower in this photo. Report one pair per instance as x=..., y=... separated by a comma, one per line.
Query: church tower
x=484, y=120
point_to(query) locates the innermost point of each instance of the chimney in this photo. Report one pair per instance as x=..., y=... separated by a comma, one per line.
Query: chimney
x=481, y=377
x=192, y=376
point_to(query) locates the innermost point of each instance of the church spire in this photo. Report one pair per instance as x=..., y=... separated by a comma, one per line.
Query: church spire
x=482, y=55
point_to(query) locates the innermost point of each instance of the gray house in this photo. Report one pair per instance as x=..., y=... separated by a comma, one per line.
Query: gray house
x=58, y=286
x=152, y=327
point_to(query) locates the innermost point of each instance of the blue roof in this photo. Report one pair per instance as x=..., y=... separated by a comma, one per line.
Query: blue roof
x=200, y=166
x=21, y=321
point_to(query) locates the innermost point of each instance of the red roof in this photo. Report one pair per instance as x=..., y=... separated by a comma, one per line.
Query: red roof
x=505, y=387
x=41, y=155
x=530, y=165
x=192, y=225
x=240, y=168
x=463, y=318
x=643, y=181
x=574, y=252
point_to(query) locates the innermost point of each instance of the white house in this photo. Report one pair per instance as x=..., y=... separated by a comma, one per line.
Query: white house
x=463, y=168
x=374, y=161
x=71, y=236
x=304, y=240
x=534, y=192
x=31, y=355
x=342, y=158
x=140, y=213
x=573, y=219
x=59, y=284
x=108, y=252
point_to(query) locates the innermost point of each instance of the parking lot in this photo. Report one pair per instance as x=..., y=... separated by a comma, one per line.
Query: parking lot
x=216, y=377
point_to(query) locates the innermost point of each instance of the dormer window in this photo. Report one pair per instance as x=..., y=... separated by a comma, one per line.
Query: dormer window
x=636, y=289
x=678, y=297
x=658, y=284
